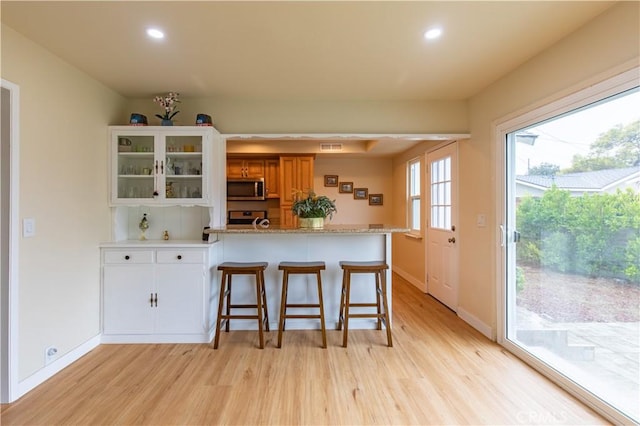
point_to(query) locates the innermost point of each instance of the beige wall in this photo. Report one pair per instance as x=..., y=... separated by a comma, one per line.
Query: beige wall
x=373, y=174
x=63, y=185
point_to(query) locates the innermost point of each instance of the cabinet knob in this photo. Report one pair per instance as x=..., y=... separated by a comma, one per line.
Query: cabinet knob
x=179, y=257
x=126, y=257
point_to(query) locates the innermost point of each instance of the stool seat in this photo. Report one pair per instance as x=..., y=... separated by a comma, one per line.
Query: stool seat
x=299, y=266
x=363, y=266
x=229, y=269
x=288, y=268
x=243, y=267
x=378, y=268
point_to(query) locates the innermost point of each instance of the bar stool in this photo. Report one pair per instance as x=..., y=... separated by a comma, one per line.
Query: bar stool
x=289, y=268
x=242, y=268
x=382, y=312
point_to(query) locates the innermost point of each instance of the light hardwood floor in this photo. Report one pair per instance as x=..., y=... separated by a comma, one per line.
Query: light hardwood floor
x=440, y=371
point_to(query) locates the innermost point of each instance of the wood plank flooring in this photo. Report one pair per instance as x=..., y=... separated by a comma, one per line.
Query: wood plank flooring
x=440, y=371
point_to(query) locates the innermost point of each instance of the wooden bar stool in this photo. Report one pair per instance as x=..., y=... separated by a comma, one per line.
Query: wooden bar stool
x=289, y=268
x=382, y=311
x=242, y=268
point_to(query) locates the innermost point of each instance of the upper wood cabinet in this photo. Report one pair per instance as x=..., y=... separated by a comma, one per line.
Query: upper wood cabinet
x=296, y=174
x=272, y=177
x=245, y=168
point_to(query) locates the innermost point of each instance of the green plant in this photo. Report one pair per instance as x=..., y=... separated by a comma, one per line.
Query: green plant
x=308, y=204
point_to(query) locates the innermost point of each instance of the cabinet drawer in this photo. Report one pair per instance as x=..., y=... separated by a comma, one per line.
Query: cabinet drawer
x=128, y=256
x=180, y=256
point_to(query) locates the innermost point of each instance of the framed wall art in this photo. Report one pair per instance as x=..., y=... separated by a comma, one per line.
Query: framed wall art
x=330, y=180
x=345, y=187
x=375, y=199
x=360, y=193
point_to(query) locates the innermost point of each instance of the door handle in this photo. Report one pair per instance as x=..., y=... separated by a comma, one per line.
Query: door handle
x=452, y=240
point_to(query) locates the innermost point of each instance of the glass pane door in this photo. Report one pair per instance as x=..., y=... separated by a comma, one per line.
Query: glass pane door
x=135, y=166
x=184, y=167
x=573, y=247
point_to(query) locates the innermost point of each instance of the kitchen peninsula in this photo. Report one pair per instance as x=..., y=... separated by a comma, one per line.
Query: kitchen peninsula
x=330, y=244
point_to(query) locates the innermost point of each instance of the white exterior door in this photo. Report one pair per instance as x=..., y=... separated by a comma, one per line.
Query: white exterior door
x=442, y=218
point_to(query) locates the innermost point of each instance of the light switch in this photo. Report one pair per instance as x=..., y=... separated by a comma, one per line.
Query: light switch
x=28, y=227
x=481, y=220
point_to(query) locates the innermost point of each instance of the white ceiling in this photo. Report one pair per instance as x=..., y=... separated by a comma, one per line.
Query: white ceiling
x=300, y=50
x=323, y=50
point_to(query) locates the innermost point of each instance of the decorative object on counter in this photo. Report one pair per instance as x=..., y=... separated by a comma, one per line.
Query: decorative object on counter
x=203, y=120
x=205, y=235
x=138, y=119
x=165, y=235
x=143, y=225
x=360, y=193
x=345, y=187
x=330, y=180
x=168, y=103
x=262, y=223
x=312, y=209
x=375, y=199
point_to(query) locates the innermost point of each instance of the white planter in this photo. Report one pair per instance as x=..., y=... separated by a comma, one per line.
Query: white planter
x=310, y=222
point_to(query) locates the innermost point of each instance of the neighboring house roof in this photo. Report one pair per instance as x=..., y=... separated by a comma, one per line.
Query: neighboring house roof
x=599, y=180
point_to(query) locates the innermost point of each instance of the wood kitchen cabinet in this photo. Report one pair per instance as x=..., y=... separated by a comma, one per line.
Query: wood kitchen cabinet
x=296, y=174
x=272, y=178
x=156, y=165
x=245, y=168
x=157, y=295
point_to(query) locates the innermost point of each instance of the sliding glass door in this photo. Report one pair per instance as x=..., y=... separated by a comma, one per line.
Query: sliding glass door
x=571, y=248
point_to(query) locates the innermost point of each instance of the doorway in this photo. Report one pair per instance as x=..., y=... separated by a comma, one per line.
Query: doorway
x=571, y=244
x=442, y=219
x=9, y=240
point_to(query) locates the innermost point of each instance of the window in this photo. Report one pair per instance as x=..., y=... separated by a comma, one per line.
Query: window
x=414, y=194
x=441, y=193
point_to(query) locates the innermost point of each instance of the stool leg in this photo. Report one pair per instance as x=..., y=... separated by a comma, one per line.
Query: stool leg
x=378, y=296
x=387, y=320
x=347, y=295
x=228, y=292
x=342, y=293
x=283, y=306
x=259, y=307
x=264, y=302
x=321, y=303
x=220, y=306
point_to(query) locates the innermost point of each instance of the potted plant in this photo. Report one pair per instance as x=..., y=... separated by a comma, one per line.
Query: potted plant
x=312, y=209
x=168, y=103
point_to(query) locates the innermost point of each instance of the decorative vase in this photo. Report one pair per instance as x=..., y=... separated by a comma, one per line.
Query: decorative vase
x=311, y=222
x=167, y=122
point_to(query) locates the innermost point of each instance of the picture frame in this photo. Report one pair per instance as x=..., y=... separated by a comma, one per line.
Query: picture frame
x=330, y=180
x=375, y=199
x=345, y=187
x=360, y=193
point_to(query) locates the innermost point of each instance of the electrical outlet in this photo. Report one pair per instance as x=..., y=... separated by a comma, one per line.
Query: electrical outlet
x=49, y=354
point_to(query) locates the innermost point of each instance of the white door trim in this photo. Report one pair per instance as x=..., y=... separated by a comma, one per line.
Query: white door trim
x=11, y=304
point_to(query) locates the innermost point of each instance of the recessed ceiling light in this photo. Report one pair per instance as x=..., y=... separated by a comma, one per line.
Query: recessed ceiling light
x=433, y=33
x=155, y=33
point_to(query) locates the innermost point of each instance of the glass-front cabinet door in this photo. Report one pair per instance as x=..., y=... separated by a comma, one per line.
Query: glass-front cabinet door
x=153, y=165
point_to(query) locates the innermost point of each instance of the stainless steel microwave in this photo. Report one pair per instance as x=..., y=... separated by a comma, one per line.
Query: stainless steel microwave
x=245, y=189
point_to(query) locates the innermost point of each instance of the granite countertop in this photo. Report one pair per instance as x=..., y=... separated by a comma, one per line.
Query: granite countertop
x=327, y=229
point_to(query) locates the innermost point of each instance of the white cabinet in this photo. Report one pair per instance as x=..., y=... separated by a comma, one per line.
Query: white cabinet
x=156, y=165
x=157, y=295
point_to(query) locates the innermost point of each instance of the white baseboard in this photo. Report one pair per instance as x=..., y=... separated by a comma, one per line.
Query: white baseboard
x=410, y=278
x=474, y=322
x=56, y=366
